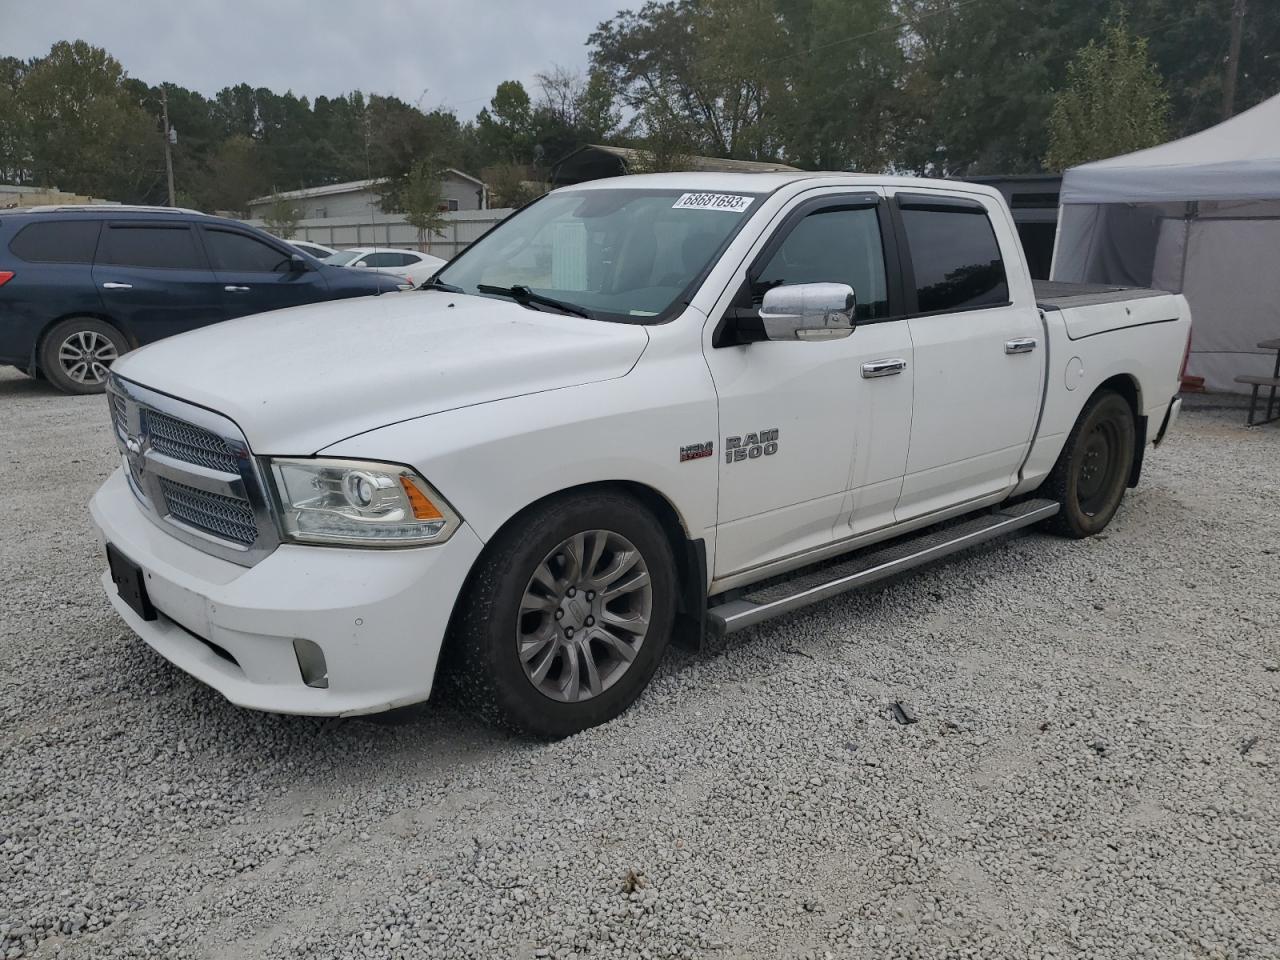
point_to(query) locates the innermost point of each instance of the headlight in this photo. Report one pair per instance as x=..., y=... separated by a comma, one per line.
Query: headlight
x=358, y=503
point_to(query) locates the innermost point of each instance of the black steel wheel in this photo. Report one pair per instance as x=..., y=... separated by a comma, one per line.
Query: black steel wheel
x=1092, y=472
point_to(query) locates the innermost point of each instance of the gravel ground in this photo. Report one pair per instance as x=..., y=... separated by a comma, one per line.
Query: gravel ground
x=1093, y=772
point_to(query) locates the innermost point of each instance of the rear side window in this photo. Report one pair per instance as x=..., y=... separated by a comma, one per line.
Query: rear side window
x=386, y=260
x=242, y=253
x=166, y=246
x=57, y=241
x=840, y=245
x=956, y=258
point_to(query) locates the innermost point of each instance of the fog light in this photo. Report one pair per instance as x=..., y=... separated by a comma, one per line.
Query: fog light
x=315, y=672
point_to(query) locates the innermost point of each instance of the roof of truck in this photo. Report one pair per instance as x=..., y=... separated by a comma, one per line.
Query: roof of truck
x=761, y=183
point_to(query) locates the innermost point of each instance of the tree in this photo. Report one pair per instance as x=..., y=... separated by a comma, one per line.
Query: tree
x=83, y=131
x=421, y=200
x=706, y=60
x=281, y=217
x=510, y=185
x=668, y=143
x=505, y=126
x=1114, y=103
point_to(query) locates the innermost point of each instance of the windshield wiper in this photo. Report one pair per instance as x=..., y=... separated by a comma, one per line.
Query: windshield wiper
x=524, y=296
x=434, y=284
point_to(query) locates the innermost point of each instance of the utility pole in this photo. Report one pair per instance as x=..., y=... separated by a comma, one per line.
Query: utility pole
x=1233, y=59
x=169, y=137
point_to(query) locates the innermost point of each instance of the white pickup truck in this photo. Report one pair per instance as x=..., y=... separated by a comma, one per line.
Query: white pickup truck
x=677, y=402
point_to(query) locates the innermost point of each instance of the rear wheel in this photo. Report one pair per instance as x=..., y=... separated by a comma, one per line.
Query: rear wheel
x=1093, y=469
x=567, y=615
x=77, y=353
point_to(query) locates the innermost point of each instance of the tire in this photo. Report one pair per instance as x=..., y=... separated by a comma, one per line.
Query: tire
x=531, y=594
x=75, y=354
x=1092, y=472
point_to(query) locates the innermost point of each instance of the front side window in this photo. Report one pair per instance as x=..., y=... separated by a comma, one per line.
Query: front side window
x=833, y=245
x=956, y=259
x=622, y=254
x=57, y=241
x=240, y=253
x=163, y=246
x=384, y=260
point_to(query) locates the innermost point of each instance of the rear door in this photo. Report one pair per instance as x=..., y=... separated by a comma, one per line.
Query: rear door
x=257, y=276
x=154, y=279
x=979, y=351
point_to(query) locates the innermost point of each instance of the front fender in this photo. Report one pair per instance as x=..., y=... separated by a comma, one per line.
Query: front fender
x=491, y=460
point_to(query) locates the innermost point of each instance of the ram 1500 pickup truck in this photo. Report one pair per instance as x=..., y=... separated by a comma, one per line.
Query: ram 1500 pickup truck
x=640, y=406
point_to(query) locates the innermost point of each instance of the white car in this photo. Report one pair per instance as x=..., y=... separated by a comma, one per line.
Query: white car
x=415, y=267
x=675, y=402
x=317, y=250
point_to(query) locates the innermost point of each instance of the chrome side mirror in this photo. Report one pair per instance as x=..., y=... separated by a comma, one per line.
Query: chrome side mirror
x=808, y=311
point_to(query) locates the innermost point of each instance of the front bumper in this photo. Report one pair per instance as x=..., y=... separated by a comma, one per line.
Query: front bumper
x=379, y=616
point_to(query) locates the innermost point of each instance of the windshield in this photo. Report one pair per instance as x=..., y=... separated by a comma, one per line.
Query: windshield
x=343, y=257
x=620, y=254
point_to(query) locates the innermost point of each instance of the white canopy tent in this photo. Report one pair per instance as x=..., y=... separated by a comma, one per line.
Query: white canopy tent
x=1199, y=216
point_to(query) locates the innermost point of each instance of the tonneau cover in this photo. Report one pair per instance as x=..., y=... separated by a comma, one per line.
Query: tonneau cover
x=1060, y=295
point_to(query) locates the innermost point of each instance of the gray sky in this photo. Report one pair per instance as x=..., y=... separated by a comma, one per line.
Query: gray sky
x=427, y=52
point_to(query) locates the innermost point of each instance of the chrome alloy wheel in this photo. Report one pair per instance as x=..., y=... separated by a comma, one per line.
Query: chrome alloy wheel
x=584, y=615
x=85, y=356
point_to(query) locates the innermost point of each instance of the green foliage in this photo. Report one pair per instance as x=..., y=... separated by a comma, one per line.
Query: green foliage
x=669, y=138
x=511, y=185
x=1114, y=103
x=421, y=200
x=281, y=217
x=931, y=86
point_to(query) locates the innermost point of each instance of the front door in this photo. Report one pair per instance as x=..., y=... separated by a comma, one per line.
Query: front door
x=153, y=279
x=979, y=352
x=790, y=469
x=257, y=276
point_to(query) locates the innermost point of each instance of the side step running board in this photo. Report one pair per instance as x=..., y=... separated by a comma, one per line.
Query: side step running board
x=866, y=568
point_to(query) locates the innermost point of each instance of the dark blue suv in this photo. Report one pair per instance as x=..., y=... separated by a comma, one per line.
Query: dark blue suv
x=81, y=285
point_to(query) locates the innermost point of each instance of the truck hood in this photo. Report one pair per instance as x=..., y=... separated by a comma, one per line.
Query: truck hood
x=298, y=380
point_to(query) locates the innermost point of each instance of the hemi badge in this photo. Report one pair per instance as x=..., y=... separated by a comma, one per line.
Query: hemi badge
x=696, y=451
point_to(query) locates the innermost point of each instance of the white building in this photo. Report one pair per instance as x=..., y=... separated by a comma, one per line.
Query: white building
x=360, y=198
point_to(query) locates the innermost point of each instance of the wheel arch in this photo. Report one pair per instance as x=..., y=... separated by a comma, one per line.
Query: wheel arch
x=690, y=556
x=1128, y=387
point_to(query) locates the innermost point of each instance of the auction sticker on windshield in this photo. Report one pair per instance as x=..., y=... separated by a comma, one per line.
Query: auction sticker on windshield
x=728, y=202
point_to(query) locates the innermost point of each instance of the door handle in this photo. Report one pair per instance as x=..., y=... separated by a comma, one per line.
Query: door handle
x=1020, y=345
x=112, y=285
x=232, y=288
x=883, y=368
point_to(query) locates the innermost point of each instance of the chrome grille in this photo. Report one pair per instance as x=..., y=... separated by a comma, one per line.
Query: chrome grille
x=189, y=443
x=193, y=473
x=119, y=412
x=225, y=517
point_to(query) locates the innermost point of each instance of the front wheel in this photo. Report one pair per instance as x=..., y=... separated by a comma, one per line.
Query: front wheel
x=1093, y=469
x=567, y=615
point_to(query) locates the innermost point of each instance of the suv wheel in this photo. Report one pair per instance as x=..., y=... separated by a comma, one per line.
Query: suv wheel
x=567, y=615
x=76, y=354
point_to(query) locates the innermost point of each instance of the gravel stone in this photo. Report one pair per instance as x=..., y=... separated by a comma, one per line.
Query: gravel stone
x=1075, y=786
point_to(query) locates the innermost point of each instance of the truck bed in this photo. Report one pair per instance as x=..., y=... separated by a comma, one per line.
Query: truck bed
x=1060, y=295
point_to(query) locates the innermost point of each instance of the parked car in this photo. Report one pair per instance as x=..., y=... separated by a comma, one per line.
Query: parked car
x=79, y=286
x=639, y=405
x=416, y=268
x=317, y=250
